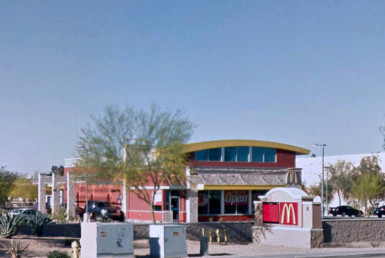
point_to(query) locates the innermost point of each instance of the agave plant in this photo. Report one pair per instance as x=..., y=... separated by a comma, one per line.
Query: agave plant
x=17, y=249
x=37, y=223
x=9, y=225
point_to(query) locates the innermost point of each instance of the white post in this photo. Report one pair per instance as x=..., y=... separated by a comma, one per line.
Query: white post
x=41, y=195
x=124, y=198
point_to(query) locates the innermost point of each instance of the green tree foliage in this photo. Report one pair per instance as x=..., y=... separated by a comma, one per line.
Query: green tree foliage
x=368, y=183
x=24, y=188
x=7, y=179
x=340, y=180
x=139, y=147
x=368, y=189
x=315, y=190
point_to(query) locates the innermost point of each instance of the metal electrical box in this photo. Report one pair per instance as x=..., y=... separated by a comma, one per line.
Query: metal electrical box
x=168, y=241
x=106, y=240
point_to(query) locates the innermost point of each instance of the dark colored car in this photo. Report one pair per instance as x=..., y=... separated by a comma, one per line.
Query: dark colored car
x=25, y=213
x=345, y=210
x=379, y=211
x=103, y=209
x=29, y=214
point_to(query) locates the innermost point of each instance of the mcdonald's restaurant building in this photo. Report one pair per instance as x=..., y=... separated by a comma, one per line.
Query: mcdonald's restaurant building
x=224, y=177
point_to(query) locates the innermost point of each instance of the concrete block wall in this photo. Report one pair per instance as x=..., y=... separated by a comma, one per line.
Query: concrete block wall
x=335, y=231
x=354, y=230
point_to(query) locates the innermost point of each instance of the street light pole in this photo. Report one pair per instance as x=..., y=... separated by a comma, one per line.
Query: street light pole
x=327, y=178
x=323, y=176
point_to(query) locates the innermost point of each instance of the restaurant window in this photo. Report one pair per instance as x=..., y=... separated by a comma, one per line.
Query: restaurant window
x=260, y=154
x=231, y=154
x=209, y=155
x=270, y=154
x=257, y=154
x=202, y=155
x=236, y=202
x=209, y=202
x=243, y=154
x=215, y=154
x=237, y=154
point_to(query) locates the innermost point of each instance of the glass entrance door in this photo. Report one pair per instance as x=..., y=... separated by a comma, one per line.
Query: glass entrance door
x=175, y=207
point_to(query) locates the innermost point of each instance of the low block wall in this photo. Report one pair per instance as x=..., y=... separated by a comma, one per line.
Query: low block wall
x=335, y=230
x=353, y=230
x=56, y=230
x=236, y=231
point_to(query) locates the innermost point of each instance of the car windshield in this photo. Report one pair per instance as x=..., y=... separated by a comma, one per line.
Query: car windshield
x=101, y=204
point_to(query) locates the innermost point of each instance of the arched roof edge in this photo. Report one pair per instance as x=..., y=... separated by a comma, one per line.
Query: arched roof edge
x=191, y=147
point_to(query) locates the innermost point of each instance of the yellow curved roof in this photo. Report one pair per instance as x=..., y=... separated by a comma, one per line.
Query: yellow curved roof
x=191, y=147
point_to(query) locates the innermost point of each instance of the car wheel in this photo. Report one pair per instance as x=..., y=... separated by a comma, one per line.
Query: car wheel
x=379, y=215
x=122, y=217
x=334, y=214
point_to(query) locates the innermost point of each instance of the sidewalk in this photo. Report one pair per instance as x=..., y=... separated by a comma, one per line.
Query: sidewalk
x=253, y=250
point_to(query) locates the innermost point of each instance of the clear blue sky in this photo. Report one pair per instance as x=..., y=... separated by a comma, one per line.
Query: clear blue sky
x=296, y=72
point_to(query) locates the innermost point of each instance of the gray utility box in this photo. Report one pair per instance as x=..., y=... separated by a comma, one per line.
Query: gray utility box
x=168, y=241
x=106, y=239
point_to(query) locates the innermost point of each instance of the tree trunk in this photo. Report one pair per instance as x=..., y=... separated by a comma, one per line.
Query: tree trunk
x=152, y=214
x=152, y=207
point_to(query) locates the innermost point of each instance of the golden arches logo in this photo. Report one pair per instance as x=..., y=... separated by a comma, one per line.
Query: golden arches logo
x=288, y=210
x=292, y=177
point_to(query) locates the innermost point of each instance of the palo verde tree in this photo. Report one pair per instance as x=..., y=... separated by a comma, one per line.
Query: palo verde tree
x=340, y=178
x=140, y=148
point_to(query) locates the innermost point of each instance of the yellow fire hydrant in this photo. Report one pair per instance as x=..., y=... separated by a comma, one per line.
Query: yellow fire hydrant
x=75, y=249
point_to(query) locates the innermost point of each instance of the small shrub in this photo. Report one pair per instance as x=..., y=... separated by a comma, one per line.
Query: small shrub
x=60, y=216
x=58, y=254
x=9, y=225
x=104, y=219
x=37, y=223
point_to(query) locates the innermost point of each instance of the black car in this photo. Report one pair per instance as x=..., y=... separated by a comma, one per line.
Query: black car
x=345, y=210
x=103, y=209
x=379, y=211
